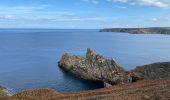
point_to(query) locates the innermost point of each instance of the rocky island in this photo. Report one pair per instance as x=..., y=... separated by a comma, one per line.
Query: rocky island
x=152, y=30
x=93, y=67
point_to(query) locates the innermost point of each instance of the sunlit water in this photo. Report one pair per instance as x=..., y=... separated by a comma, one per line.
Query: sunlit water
x=28, y=58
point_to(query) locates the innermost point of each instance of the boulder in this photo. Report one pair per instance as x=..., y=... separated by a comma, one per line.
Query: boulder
x=93, y=67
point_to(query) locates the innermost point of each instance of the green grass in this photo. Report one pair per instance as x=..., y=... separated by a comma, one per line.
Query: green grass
x=4, y=92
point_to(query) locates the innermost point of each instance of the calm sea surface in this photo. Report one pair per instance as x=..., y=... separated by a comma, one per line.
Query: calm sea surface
x=28, y=57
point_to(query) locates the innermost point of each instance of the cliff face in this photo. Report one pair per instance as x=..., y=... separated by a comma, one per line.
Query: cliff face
x=153, y=71
x=156, y=30
x=93, y=67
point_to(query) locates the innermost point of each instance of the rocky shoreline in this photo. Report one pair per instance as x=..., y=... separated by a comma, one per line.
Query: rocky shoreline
x=98, y=68
x=154, y=80
x=154, y=30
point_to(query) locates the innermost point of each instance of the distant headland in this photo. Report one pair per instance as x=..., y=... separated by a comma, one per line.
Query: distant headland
x=149, y=30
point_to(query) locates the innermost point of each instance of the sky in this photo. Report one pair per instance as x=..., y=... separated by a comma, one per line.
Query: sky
x=84, y=14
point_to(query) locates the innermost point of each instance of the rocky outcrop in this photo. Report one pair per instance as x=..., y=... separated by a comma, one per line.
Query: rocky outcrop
x=153, y=71
x=93, y=67
x=98, y=68
x=155, y=30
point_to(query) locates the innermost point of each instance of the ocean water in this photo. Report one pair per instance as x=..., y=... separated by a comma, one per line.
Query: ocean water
x=28, y=57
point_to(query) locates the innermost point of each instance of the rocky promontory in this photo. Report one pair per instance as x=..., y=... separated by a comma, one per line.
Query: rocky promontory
x=98, y=68
x=154, y=30
x=93, y=67
x=153, y=71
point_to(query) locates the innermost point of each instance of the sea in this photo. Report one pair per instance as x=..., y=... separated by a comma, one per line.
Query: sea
x=29, y=57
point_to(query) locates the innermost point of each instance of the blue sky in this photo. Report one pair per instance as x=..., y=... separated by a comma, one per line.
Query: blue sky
x=84, y=13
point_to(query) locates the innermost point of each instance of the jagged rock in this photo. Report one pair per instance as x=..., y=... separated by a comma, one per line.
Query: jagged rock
x=93, y=67
x=153, y=71
x=107, y=84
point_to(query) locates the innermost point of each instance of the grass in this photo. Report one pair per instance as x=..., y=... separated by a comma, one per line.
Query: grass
x=4, y=92
x=142, y=90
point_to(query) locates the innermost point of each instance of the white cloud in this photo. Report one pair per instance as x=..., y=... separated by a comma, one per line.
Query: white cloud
x=156, y=3
x=122, y=7
x=21, y=9
x=37, y=14
x=154, y=19
x=92, y=1
x=8, y=17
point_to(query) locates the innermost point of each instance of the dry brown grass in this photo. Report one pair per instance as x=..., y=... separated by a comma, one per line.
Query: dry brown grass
x=142, y=90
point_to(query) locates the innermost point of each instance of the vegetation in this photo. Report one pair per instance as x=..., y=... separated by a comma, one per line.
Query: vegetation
x=4, y=92
x=142, y=90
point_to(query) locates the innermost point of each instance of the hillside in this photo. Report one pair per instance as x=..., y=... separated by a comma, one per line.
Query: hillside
x=4, y=93
x=142, y=90
x=153, y=71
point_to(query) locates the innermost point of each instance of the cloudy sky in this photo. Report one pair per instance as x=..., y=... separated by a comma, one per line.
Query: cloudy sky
x=84, y=13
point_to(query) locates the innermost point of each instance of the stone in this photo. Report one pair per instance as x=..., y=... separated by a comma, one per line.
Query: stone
x=93, y=67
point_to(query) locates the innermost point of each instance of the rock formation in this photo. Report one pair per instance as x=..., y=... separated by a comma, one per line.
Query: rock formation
x=93, y=67
x=98, y=68
x=155, y=30
x=153, y=71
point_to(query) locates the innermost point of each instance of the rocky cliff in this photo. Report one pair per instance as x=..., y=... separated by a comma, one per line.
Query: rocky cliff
x=153, y=71
x=155, y=30
x=93, y=67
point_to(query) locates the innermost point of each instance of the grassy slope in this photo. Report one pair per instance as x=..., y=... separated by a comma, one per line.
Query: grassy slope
x=154, y=90
x=3, y=93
